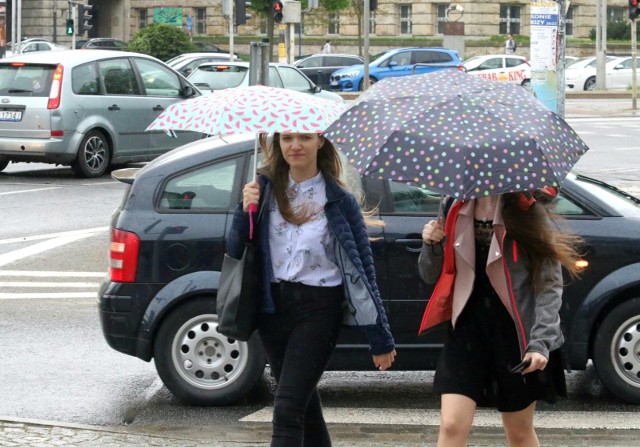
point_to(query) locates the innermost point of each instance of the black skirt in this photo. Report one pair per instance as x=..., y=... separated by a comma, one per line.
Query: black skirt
x=480, y=351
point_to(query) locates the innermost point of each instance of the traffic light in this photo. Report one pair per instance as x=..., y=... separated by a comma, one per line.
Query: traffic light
x=70, y=27
x=84, y=15
x=373, y=5
x=241, y=12
x=277, y=11
x=634, y=11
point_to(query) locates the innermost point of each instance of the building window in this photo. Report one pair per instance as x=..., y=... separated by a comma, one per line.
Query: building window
x=509, y=19
x=405, y=19
x=372, y=22
x=263, y=25
x=442, y=17
x=334, y=23
x=617, y=14
x=568, y=21
x=201, y=20
x=143, y=17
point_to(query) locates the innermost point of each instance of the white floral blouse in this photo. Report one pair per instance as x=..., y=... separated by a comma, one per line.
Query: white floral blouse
x=303, y=253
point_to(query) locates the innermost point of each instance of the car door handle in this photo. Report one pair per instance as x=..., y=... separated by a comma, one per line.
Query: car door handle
x=158, y=108
x=114, y=107
x=413, y=245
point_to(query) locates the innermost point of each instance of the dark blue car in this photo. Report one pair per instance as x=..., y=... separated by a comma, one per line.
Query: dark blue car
x=168, y=241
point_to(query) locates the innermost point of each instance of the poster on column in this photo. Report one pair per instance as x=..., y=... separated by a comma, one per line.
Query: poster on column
x=545, y=20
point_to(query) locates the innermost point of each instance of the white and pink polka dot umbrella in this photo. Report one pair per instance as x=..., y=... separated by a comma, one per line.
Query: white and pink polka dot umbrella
x=254, y=109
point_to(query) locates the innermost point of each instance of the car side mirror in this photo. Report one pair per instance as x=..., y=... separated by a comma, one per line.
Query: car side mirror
x=316, y=89
x=393, y=64
x=188, y=91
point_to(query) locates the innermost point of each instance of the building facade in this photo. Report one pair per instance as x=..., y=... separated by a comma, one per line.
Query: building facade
x=392, y=19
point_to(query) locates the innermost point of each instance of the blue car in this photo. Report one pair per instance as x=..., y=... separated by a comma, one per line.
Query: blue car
x=398, y=62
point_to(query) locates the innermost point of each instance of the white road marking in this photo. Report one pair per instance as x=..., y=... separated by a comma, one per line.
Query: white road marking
x=35, y=249
x=74, y=285
x=52, y=235
x=37, y=296
x=483, y=418
x=28, y=190
x=43, y=274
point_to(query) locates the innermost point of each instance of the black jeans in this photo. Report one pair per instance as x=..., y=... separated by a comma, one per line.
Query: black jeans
x=298, y=341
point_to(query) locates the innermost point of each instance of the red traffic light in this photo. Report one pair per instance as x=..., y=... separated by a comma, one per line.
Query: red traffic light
x=277, y=11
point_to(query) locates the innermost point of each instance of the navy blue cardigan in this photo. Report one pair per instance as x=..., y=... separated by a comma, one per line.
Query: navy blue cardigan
x=347, y=226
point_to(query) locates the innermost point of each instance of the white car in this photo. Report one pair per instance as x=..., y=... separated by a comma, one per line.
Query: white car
x=500, y=67
x=580, y=75
x=32, y=45
x=187, y=62
x=212, y=76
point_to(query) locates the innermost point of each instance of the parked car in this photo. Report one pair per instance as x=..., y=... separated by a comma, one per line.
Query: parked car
x=581, y=74
x=187, y=62
x=319, y=67
x=203, y=46
x=32, y=45
x=213, y=76
x=159, y=300
x=501, y=67
x=87, y=109
x=104, y=43
x=398, y=62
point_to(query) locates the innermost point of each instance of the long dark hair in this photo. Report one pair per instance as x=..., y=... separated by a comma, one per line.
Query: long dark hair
x=527, y=222
x=277, y=169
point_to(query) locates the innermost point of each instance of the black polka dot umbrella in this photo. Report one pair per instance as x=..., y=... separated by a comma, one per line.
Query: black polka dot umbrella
x=456, y=134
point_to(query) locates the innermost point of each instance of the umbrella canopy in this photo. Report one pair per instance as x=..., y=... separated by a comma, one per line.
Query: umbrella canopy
x=254, y=109
x=457, y=134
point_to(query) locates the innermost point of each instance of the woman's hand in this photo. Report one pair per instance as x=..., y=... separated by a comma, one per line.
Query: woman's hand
x=250, y=194
x=538, y=362
x=432, y=233
x=384, y=361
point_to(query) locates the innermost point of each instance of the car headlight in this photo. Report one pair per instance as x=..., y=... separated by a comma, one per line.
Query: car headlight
x=350, y=74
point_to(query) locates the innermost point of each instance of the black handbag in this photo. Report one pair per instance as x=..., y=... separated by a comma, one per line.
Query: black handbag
x=239, y=292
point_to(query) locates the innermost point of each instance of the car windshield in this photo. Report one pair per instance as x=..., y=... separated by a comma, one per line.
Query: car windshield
x=25, y=80
x=622, y=202
x=218, y=77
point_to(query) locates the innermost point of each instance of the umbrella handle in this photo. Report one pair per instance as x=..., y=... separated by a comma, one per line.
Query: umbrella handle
x=252, y=208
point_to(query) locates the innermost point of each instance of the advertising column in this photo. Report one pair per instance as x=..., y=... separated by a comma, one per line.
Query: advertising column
x=544, y=52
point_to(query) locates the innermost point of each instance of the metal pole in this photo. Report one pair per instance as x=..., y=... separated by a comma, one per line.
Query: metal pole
x=634, y=65
x=54, y=11
x=601, y=44
x=14, y=42
x=18, y=22
x=74, y=15
x=560, y=62
x=365, y=56
x=231, y=20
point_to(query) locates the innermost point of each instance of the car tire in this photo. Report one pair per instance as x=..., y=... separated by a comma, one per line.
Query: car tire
x=93, y=155
x=616, y=351
x=371, y=82
x=590, y=84
x=199, y=365
x=4, y=162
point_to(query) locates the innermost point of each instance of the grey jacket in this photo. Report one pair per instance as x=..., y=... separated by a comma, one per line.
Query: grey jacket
x=535, y=312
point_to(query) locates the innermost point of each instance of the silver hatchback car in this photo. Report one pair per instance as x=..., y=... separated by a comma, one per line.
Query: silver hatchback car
x=87, y=109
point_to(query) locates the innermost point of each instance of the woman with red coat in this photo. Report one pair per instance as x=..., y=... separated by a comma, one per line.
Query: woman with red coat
x=498, y=275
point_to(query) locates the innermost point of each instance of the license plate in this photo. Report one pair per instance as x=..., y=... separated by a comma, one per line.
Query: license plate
x=10, y=115
x=334, y=83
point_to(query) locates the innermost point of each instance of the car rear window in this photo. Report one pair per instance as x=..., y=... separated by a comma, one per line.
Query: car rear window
x=218, y=77
x=19, y=79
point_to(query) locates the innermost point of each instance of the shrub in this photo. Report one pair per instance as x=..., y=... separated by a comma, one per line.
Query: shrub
x=161, y=41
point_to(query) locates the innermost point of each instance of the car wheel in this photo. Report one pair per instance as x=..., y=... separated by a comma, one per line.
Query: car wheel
x=590, y=84
x=616, y=351
x=199, y=365
x=93, y=156
x=4, y=162
x=371, y=82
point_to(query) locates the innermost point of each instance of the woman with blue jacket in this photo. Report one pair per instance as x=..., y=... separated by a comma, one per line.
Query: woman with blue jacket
x=318, y=273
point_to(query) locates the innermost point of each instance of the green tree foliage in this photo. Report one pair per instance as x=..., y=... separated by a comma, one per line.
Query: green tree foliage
x=616, y=30
x=162, y=41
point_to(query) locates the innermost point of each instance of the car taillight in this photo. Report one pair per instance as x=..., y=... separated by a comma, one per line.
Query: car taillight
x=56, y=88
x=123, y=256
x=461, y=68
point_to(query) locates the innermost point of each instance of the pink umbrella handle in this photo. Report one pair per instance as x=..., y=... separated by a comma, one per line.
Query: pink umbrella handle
x=252, y=209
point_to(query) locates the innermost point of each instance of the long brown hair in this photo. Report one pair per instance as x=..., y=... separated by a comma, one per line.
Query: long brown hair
x=277, y=169
x=527, y=222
